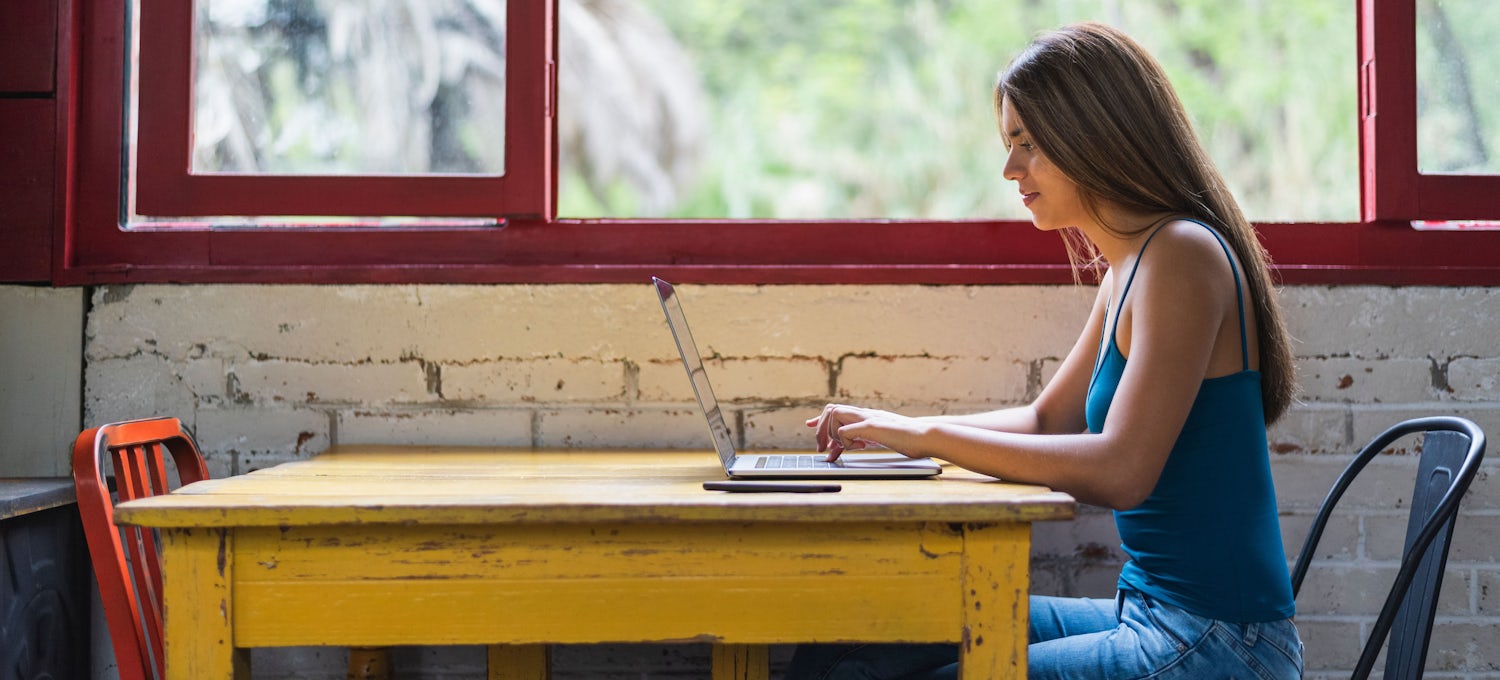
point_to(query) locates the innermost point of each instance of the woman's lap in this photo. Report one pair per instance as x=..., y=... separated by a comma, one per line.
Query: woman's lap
x=1056, y=617
x=1133, y=636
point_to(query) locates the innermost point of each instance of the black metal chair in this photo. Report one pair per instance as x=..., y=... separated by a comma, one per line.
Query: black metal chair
x=1451, y=451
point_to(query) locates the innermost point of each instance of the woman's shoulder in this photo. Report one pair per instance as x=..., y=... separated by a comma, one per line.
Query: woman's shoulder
x=1189, y=252
x=1190, y=230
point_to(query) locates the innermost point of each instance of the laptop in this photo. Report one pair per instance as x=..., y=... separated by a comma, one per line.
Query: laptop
x=780, y=464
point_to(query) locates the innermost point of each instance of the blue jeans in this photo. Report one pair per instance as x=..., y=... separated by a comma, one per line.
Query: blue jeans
x=1132, y=637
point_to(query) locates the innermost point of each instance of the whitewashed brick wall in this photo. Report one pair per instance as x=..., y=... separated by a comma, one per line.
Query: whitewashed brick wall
x=267, y=374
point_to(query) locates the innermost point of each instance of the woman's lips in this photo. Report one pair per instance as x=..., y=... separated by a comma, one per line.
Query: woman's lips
x=1028, y=198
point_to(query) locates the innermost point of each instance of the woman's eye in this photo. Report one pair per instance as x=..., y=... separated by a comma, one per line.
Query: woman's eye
x=1028, y=146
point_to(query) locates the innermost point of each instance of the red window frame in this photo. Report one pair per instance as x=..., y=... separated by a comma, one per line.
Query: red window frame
x=1394, y=186
x=93, y=248
x=167, y=187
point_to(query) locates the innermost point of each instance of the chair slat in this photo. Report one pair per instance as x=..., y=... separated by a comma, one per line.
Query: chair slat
x=127, y=560
x=1452, y=449
x=1443, y=456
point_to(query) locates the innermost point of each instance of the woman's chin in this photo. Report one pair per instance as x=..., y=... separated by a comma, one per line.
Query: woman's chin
x=1044, y=225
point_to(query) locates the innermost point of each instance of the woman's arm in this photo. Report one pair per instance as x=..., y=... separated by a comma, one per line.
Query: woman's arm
x=1177, y=307
x=1058, y=409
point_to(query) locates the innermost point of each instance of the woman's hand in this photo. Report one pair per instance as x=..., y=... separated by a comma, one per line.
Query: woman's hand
x=841, y=428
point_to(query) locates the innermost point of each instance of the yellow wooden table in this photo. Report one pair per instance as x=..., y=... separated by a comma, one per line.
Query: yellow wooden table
x=368, y=545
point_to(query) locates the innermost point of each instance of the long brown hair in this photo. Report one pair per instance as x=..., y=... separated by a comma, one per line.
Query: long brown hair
x=1102, y=110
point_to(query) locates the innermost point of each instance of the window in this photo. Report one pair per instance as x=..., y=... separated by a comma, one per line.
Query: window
x=568, y=200
x=784, y=109
x=105, y=241
x=1432, y=142
x=317, y=131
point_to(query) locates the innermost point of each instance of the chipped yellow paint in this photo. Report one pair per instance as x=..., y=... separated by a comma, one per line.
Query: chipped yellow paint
x=198, y=606
x=498, y=549
x=741, y=662
x=393, y=485
x=735, y=550
x=369, y=663
x=628, y=582
x=995, y=589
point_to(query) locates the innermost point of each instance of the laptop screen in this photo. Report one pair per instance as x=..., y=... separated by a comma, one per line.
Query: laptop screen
x=693, y=362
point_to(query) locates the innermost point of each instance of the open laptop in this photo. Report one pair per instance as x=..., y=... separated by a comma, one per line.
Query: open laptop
x=775, y=465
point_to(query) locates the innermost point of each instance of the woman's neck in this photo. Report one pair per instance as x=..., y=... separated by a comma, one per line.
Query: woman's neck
x=1126, y=232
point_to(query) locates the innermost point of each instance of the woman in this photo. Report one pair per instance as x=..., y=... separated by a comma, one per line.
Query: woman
x=1158, y=412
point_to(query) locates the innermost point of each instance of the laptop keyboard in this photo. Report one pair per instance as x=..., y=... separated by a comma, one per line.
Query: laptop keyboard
x=803, y=461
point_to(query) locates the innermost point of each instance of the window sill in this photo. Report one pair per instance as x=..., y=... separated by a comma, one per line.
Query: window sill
x=872, y=252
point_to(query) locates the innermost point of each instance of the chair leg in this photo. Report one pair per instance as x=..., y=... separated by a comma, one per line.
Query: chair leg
x=369, y=663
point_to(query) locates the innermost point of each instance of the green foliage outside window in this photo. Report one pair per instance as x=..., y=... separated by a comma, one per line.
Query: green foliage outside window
x=881, y=108
x=1458, y=80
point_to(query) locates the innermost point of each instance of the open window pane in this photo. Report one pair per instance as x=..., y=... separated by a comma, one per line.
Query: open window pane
x=360, y=88
x=266, y=109
x=880, y=109
x=1458, y=82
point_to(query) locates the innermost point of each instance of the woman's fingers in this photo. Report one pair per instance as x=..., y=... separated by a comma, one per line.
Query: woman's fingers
x=831, y=425
x=826, y=423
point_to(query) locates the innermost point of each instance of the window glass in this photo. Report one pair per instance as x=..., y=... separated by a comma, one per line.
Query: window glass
x=349, y=87
x=881, y=108
x=1458, y=81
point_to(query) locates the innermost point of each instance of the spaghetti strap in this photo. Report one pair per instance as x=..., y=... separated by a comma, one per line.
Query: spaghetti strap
x=1109, y=340
x=1239, y=294
x=1239, y=297
x=1129, y=280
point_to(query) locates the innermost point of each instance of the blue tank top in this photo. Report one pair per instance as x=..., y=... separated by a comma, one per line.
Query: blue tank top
x=1207, y=539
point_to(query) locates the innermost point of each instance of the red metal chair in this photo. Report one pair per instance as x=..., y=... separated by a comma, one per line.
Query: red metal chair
x=126, y=560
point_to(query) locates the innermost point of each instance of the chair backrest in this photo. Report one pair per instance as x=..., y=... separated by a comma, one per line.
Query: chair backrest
x=1451, y=451
x=126, y=561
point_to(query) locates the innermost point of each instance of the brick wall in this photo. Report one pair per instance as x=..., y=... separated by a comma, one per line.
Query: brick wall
x=267, y=374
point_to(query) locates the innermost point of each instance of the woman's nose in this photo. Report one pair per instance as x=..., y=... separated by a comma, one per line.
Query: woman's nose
x=1013, y=170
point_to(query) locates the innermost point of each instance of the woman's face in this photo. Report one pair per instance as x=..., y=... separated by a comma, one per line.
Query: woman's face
x=1053, y=199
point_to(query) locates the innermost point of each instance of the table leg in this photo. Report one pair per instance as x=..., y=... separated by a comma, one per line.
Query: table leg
x=197, y=618
x=741, y=662
x=369, y=663
x=519, y=662
x=996, y=601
